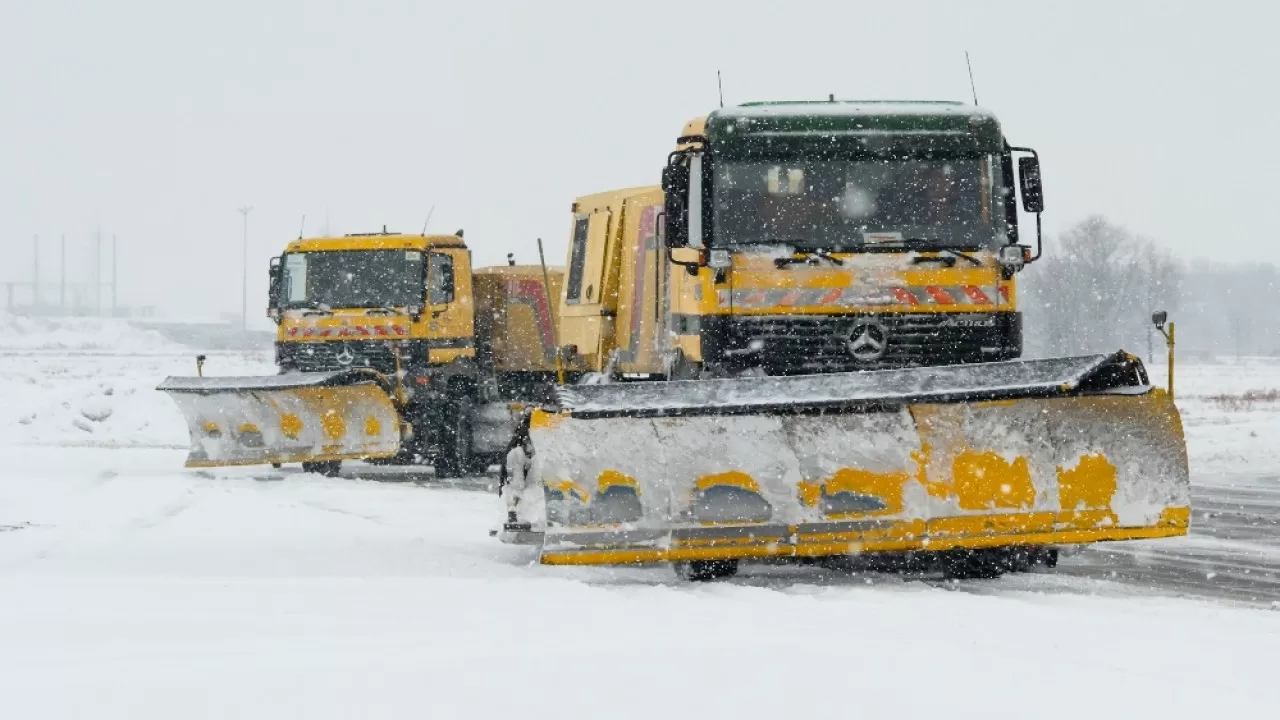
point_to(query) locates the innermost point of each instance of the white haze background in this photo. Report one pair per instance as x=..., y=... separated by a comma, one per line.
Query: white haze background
x=155, y=121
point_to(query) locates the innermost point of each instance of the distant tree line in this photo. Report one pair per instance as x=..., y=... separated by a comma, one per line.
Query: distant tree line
x=1098, y=283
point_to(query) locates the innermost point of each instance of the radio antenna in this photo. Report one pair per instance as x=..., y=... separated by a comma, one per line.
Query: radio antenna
x=428, y=221
x=720, y=83
x=972, y=87
x=302, y=230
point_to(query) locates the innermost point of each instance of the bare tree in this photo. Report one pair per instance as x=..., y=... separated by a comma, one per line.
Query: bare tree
x=1096, y=289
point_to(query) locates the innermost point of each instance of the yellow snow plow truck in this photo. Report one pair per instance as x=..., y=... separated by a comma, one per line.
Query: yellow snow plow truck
x=390, y=349
x=826, y=293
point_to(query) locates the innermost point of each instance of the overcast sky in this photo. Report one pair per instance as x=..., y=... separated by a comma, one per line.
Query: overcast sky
x=156, y=120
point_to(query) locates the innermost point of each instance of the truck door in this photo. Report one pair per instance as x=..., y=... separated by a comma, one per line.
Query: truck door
x=451, y=323
x=588, y=304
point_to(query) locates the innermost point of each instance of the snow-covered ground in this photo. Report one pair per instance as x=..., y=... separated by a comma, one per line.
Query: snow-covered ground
x=1231, y=414
x=130, y=587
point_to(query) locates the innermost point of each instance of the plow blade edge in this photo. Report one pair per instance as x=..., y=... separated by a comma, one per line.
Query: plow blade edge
x=1061, y=451
x=302, y=417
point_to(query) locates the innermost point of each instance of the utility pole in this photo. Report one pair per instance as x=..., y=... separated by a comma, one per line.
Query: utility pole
x=115, y=253
x=244, y=270
x=62, y=275
x=35, y=274
x=97, y=274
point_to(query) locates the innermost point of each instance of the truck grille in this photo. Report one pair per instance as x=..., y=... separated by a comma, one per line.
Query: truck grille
x=798, y=344
x=334, y=354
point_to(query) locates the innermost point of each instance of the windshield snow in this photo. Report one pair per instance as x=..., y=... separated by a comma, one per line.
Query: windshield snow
x=848, y=204
x=353, y=278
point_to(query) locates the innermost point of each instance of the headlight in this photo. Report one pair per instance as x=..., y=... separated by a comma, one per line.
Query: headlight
x=1012, y=256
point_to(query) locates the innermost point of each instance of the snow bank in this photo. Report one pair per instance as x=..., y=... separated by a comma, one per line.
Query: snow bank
x=106, y=400
x=65, y=333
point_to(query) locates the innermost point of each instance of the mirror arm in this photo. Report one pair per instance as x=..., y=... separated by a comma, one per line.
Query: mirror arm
x=691, y=266
x=1039, y=236
x=1039, y=242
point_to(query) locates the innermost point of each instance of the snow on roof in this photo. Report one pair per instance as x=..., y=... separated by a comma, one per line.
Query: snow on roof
x=845, y=108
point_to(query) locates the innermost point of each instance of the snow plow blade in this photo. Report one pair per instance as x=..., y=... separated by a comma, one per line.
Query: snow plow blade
x=301, y=417
x=1010, y=454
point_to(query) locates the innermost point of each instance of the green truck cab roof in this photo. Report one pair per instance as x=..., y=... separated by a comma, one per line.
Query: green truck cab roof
x=941, y=124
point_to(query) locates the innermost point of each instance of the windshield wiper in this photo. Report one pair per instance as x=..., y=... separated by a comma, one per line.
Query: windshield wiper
x=927, y=245
x=806, y=256
x=972, y=260
x=315, y=306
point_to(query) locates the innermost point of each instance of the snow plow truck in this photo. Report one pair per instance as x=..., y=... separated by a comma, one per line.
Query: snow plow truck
x=802, y=345
x=390, y=349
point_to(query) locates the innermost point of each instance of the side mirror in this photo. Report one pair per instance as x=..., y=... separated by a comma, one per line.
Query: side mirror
x=675, y=189
x=274, y=287
x=1032, y=189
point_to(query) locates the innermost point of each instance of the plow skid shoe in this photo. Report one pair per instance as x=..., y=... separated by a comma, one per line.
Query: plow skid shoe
x=302, y=417
x=1012, y=454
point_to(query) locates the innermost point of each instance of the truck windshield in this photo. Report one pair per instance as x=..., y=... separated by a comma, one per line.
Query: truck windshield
x=353, y=279
x=855, y=204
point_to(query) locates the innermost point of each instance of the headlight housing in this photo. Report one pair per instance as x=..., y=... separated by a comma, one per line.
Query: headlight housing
x=1013, y=256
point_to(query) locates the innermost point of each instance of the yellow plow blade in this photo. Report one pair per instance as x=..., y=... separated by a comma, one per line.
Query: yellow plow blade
x=1023, y=453
x=302, y=417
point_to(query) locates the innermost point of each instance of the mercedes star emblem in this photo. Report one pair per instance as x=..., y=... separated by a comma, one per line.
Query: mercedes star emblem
x=868, y=341
x=345, y=357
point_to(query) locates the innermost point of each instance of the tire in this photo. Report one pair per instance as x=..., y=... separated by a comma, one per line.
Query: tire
x=1022, y=559
x=455, y=459
x=975, y=564
x=705, y=570
x=328, y=468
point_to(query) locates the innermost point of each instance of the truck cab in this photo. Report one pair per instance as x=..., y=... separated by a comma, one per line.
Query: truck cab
x=835, y=236
x=383, y=301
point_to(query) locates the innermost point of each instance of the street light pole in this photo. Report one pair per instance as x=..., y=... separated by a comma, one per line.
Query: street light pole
x=244, y=270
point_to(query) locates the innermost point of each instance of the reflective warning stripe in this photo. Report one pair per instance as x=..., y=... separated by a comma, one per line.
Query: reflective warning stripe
x=858, y=296
x=350, y=330
x=939, y=296
x=976, y=295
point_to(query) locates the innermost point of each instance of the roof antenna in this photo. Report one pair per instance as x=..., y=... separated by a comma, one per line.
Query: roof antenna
x=972, y=87
x=720, y=83
x=831, y=97
x=511, y=259
x=428, y=222
x=302, y=229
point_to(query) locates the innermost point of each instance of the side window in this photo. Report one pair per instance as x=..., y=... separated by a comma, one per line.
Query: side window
x=439, y=279
x=295, y=278
x=577, y=260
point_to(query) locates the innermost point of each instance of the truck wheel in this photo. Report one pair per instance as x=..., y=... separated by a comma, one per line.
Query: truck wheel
x=704, y=570
x=455, y=458
x=975, y=564
x=328, y=468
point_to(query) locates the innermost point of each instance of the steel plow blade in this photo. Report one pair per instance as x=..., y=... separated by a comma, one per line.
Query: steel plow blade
x=1062, y=451
x=302, y=417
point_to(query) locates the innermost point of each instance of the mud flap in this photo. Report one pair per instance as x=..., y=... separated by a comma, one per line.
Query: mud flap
x=1069, y=450
x=302, y=417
